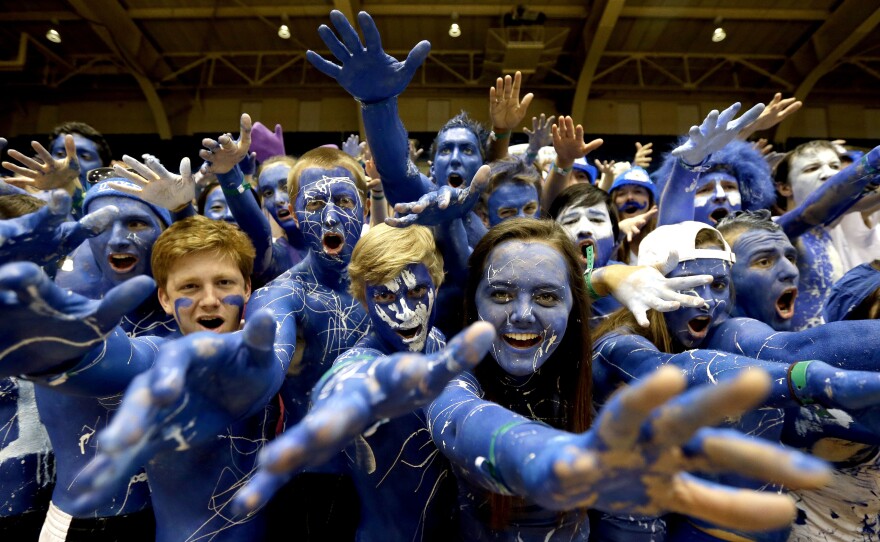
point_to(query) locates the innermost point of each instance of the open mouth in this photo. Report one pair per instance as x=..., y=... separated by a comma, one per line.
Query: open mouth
x=122, y=263
x=582, y=249
x=785, y=303
x=333, y=243
x=521, y=340
x=410, y=333
x=718, y=214
x=699, y=326
x=455, y=180
x=210, y=322
x=283, y=213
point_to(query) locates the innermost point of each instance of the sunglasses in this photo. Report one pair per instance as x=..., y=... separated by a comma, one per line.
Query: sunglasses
x=94, y=176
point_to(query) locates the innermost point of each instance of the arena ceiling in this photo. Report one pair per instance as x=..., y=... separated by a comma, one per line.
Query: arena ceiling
x=575, y=49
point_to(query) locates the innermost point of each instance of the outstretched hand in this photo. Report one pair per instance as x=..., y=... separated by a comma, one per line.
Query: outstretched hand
x=51, y=174
x=199, y=385
x=776, y=111
x=364, y=70
x=225, y=153
x=352, y=146
x=357, y=394
x=716, y=131
x=568, y=140
x=442, y=205
x=46, y=326
x=540, y=135
x=506, y=111
x=157, y=185
x=643, y=154
x=636, y=457
x=632, y=226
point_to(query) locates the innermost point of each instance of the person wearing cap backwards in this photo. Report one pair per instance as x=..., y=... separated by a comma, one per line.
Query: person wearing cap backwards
x=625, y=352
x=634, y=195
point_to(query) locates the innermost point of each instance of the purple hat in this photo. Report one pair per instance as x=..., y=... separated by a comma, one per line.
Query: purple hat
x=265, y=143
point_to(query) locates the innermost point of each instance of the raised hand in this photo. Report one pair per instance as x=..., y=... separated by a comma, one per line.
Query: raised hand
x=540, y=135
x=46, y=326
x=506, y=111
x=157, y=185
x=569, y=143
x=225, y=153
x=636, y=457
x=640, y=288
x=51, y=174
x=633, y=226
x=45, y=236
x=775, y=112
x=199, y=385
x=716, y=131
x=351, y=146
x=360, y=392
x=366, y=72
x=643, y=155
x=442, y=205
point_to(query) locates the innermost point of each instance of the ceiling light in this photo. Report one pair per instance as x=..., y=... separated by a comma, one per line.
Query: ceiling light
x=718, y=35
x=53, y=36
x=284, y=30
x=454, y=29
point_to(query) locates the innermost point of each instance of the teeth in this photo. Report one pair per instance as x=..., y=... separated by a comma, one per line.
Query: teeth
x=522, y=336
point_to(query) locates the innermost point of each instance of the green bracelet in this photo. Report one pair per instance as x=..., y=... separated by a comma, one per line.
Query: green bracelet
x=797, y=380
x=588, y=274
x=561, y=170
x=503, y=135
x=498, y=433
x=242, y=188
x=373, y=196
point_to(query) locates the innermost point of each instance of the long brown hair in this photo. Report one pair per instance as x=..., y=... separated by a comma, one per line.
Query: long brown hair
x=622, y=320
x=570, y=365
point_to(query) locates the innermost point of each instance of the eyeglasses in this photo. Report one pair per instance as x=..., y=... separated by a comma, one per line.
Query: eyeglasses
x=94, y=176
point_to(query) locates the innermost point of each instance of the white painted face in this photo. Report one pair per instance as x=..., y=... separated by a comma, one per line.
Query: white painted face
x=589, y=226
x=402, y=309
x=809, y=170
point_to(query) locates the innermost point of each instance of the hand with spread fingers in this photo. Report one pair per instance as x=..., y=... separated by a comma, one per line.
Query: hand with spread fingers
x=716, y=131
x=540, y=135
x=443, y=205
x=506, y=111
x=156, y=184
x=225, y=153
x=643, y=155
x=49, y=173
x=364, y=70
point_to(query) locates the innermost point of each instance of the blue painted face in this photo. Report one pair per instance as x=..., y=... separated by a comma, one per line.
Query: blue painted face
x=589, y=226
x=457, y=158
x=717, y=196
x=512, y=200
x=86, y=152
x=216, y=207
x=124, y=249
x=329, y=212
x=689, y=326
x=631, y=200
x=765, y=276
x=402, y=309
x=525, y=294
x=273, y=191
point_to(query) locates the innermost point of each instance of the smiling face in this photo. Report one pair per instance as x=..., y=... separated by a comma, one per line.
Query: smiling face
x=273, y=191
x=589, y=227
x=717, y=196
x=216, y=207
x=631, y=200
x=329, y=212
x=205, y=291
x=86, y=152
x=689, y=326
x=525, y=294
x=123, y=250
x=512, y=200
x=765, y=276
x=457, y=158
x=402, y=309
x=809, y=170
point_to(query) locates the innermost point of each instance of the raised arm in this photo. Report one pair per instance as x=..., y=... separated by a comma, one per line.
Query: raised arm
x=506, y=112
x=375, y=79
x=50, y=173
x=568, y=140
x=633, y=459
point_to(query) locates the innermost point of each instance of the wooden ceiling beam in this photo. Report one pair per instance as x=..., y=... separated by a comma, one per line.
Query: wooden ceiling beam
x=664, y=12
x=411, y=10
x=597, y=32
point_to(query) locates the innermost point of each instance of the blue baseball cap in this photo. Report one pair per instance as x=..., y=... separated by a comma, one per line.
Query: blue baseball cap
x=581, y=164
x=635, y=176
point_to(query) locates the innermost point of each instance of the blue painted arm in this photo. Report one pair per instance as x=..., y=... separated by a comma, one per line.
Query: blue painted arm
x=361, y=389
x=644, y=437
x=250, y=218
x=834, y=197
x=200, y=384
x=45, y=236
x=677, y=198
x=375, y=79
x=443, y=205
x=48, y=329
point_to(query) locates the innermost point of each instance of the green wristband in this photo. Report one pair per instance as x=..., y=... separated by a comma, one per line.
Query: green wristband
x=797, y=380
x=242, y=188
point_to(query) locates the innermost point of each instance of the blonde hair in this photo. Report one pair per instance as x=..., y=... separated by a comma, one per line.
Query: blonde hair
x=282, y=159
x=326, y=158
x=198, y=234
x=383, y=252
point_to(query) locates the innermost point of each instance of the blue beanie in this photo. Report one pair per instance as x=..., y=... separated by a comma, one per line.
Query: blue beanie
x=103, y=189
x=635, y=176
x=581, y=164
x=848, y=292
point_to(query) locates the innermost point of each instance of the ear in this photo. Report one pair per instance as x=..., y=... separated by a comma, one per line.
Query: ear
x=784, y=189
x=165, y=301
x=247, y=289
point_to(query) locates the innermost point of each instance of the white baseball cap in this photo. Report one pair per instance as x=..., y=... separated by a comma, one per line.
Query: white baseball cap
x=657, y=247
